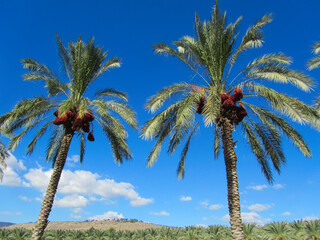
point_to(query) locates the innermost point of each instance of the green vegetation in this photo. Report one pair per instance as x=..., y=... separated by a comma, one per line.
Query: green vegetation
x=3, y=154
x=298, y=230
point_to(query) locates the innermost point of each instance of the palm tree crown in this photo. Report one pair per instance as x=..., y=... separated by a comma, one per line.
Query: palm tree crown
x=82, y=63
x=211, y=55
x=75, y=114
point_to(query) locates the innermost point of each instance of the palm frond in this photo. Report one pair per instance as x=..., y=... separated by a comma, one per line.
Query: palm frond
x=38, y=135
x=180, y=170
x=272, y=144
x=211, y=110
x=316, y=47
x=112, y=62
x=82, y=145
x=157, y=101
x=115, y=133
x=162, y=134
x=54, y=144
x=313, y=63
x=109, y=92
x=280, y=74
x=184, y=120
x=64, y=56
x=39, y=71
x=3, y=155
x=122, y=109
x=293, y=135
x=253, y=37
x=257, y=149
x=152, y=128
x=296, y=110
x=217, y=141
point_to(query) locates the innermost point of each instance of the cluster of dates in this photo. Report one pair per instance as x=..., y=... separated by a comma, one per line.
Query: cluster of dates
x=229, y=107
x=203, y=98
x=72, y=119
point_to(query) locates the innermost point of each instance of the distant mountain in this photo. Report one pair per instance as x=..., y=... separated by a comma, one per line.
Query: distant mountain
x=6, y=224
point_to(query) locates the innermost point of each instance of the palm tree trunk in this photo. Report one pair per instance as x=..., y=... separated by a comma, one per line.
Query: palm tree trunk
x=230, y=159
x=52, y=187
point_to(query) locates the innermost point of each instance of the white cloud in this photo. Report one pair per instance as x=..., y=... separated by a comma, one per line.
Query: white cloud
x=287, y=214
x=71, y=201
x=278, y=186
x=185, y=198
x=71, y=161
x=24, y=198
x=10, y=175
x=87, y=183
x=310, y=218
x=10, y=178
x=258, y=187
x=10, y=213
x=74, y=158
x=259, y=207
x=249, y=217
x=107, y=216
x=77, y=210
x=76, y=216
x=162, y=213
x=138, y=201
x=205, y=203
x=204, y=219
x=215, y=206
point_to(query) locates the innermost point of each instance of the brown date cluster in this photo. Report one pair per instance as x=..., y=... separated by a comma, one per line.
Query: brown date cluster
x=72, y=119
x=229, y=108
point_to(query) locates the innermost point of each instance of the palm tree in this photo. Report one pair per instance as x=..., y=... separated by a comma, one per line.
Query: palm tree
x=55, y=235
x=3, y=155
x=315, y=63
x=298, y=228
x=20, y=234
x=312, y=230
x=249, y=231
x=211, y=56
x=4, y=234
x=277, y=231
x=83, y=64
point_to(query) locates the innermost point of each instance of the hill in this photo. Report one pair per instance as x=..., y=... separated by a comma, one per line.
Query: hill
x=103, y=225
x=5, y=224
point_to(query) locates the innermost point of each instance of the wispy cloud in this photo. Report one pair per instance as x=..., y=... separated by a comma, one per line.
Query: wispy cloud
x=278, y=186
x=10, y=213
x=205, y=203
x=24, y=198
x=287, y=214
x=259, y=207
x=162, y=213
x=310, y=218
x=185, y=198
x=258, y=187
x=215, y=206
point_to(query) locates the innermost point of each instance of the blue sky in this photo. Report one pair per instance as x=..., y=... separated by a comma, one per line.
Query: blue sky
x=99, y=188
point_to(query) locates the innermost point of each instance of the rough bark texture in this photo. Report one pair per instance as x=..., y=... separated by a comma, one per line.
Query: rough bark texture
x=230, y=159
x=52, y=187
